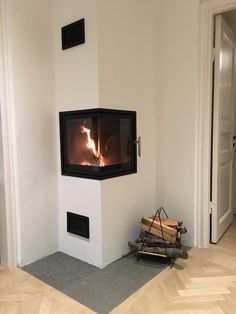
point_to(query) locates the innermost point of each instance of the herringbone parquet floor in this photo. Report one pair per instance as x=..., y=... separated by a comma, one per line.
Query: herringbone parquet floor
x=20, y=293
x=205, y=283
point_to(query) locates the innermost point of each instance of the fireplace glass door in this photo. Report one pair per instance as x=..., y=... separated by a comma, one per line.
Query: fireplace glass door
x=98, y=143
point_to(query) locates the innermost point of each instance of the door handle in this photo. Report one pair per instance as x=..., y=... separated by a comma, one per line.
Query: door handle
x=234, y=148
x=234, y=140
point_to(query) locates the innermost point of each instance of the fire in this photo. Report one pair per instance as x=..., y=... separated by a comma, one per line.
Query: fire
x=97, y=157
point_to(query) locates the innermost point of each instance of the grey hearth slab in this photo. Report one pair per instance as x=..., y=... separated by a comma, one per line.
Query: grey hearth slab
x=99, y=289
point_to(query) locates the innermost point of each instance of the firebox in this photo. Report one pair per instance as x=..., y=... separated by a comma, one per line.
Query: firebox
x=98, y=143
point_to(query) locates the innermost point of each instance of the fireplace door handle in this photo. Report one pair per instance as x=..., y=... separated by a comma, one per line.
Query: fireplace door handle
x=138, y=142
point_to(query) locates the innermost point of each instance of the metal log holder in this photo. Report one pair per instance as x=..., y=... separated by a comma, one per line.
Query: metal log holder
x=171, y=261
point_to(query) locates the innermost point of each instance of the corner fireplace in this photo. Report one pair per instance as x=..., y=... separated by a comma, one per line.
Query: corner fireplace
x=98, y=143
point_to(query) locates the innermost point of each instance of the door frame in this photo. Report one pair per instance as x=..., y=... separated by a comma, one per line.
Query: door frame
x=208, y=9
x=9, y=224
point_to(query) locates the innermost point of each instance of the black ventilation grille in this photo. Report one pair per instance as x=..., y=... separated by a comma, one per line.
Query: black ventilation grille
x=78, y=224
x=73, y=34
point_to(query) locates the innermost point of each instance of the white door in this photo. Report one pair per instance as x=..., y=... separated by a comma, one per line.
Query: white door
x=223, y=129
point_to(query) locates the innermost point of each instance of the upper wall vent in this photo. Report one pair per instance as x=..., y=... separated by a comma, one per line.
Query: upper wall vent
x=73, y=34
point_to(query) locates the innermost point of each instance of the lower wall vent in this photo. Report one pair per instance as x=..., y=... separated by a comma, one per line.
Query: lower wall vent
x=78, y=224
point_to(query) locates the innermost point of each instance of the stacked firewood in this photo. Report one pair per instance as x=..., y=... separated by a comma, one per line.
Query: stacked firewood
x=160, y=236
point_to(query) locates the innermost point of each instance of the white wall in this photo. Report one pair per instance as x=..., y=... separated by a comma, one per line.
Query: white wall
x=234, y=173
x=76, y=87
x=148, y=62
x=3, y=230
x=127, y=50
x=178, y=63
x=30, y=36
x=147, y=65
x=143, y=58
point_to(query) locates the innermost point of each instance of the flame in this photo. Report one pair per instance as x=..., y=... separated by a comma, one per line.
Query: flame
x=92, y=147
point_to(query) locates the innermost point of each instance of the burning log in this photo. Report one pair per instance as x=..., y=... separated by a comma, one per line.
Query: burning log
x=169, y=252
x=90, y=159
x=95, y=158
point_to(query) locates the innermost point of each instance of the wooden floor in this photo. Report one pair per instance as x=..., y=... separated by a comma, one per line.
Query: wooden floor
x=20, y=293
x=205, y=283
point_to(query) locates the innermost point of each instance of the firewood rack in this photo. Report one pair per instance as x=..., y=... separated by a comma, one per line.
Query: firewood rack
x=171, y=260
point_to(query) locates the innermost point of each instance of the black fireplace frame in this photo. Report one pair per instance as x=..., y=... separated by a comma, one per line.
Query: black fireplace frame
x=97, y=173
